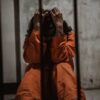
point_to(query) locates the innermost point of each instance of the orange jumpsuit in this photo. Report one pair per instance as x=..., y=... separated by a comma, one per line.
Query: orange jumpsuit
x=62, y=52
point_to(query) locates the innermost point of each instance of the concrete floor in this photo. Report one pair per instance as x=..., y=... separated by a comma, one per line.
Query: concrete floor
x=92, y=94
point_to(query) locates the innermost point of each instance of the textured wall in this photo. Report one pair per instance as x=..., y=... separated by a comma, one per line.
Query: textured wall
x=8, y=41
x=89, y=33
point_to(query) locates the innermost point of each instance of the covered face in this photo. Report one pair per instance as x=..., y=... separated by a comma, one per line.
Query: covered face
x=48, y=25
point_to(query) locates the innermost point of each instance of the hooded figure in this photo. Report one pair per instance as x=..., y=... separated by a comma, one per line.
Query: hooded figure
x=62, y=51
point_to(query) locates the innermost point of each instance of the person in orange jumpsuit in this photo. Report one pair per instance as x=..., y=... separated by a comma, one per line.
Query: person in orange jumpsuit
x=62, y=53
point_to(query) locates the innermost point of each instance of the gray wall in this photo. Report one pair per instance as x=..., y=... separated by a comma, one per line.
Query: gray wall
x=89, y=34
x=8, y=41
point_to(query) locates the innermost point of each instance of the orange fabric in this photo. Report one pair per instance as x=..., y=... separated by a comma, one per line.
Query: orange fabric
x=62, y=52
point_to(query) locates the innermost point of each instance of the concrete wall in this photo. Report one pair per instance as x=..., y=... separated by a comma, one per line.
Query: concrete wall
x=89, y=34
x=8, y=41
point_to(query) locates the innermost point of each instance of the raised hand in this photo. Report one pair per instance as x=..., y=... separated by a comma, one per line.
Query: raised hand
x=58, y=20
x=36, y=21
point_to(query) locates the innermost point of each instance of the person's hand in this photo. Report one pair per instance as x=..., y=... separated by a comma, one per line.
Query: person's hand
x=58, y=20
x=36, y=21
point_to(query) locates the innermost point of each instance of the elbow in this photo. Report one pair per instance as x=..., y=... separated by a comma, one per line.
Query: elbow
x=27, y=59
x=31, y=58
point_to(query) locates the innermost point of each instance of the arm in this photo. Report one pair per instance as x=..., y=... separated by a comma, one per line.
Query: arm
x=31, y=51
x=32, y=48
x=63, y=48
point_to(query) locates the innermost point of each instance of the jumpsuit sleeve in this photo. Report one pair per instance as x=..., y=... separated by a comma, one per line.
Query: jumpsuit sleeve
x=63, y=47
x=31, y=49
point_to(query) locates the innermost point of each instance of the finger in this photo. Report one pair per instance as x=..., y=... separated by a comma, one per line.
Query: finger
x=52, y=13
x=36, y=13
x=38, y=24
x=43, y=14
x=60, y=14
x=37, y=39
x=62, y=44
x=46, y=12
x=57, y=11
x=63, y=56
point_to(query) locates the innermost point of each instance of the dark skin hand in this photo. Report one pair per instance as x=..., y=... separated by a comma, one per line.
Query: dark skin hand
x=37, y=19
x=56, y=16
x=58, y=20
x=58, y=40
x=37, y=24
